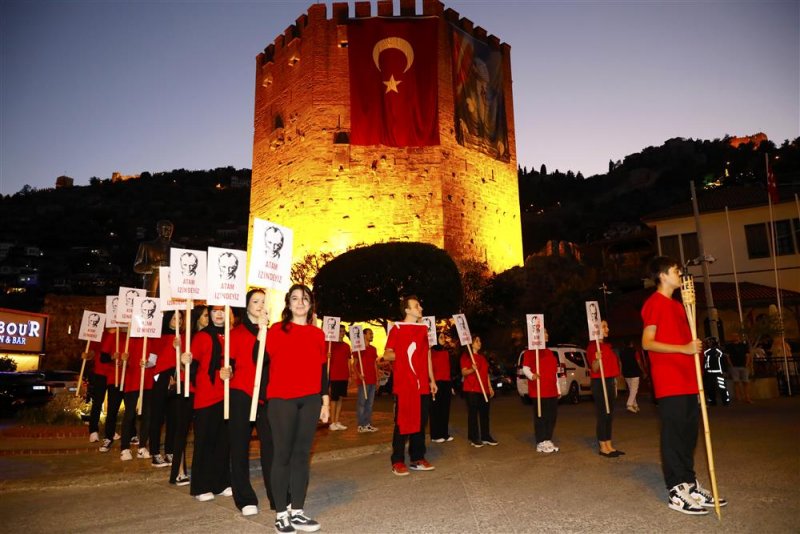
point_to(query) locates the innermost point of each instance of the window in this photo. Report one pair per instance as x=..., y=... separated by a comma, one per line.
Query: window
x=784, y=238
x=670, y=246
x=575, y=357
x=757, y=243
x=691, y=249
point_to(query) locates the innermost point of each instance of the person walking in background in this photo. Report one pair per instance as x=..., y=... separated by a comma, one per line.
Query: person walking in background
x=741, y=363
x=611, y=371
x=547, y=378
x=477, y=406
x=713, y=378
x=369, y=361
x=633, y=371
x=339, y=377
x=440, y=406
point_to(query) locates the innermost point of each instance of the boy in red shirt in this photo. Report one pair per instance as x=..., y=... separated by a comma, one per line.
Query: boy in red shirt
x=669, y=340
x=413, y=384
x=339, y=375
x=369, y=362
x=548, y=388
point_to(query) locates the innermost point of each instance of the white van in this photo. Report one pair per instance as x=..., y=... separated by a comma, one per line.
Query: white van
x=574, y=378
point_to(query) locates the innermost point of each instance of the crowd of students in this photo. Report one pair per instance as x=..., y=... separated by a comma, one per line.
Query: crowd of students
x=304, y=378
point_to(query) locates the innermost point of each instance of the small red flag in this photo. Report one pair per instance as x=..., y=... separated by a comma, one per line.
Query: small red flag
x=772, y=187
x=394, y=81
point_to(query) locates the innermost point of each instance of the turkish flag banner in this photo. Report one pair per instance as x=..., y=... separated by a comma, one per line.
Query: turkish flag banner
x=394, y=81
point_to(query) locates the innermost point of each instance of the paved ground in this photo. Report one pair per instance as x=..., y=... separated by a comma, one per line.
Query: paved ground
x=509, y=488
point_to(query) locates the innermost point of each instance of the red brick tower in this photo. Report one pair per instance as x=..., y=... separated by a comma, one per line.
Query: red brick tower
x=307, y=176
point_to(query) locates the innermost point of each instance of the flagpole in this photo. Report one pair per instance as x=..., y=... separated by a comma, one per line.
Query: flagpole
x=774, y=247
x=735, y=275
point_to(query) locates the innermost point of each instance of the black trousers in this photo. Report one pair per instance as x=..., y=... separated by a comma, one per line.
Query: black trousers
x=543, y=426
x=477, y=417
x=184, y=414
x=293, y=423
x=163, y=406
x=714, y=383
x=112, y=411
x=267, y=449
x=416, y=441
x=679, y=420
x=211, y=461
x=97, y=392
x=241, y=429
x=603, y=427
x=440, y=411
x=129, y=421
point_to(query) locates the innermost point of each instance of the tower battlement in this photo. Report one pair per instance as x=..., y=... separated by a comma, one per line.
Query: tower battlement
x=307, y=175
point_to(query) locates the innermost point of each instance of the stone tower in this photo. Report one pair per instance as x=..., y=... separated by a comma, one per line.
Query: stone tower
x=334, y=195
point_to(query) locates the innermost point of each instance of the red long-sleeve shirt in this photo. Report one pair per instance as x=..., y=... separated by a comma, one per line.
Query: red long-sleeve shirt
x=296, y=360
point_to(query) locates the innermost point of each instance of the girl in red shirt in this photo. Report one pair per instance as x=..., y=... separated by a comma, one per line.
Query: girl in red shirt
x=211, y=473
x=477, y=406
x=130, y=395
x=440, y=406
x=297, y=381
x=163, y=402
x=611, y=372
x=244, y=355
x=547, y=377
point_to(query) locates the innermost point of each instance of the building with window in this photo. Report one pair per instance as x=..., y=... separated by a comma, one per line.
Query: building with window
x=741, y=238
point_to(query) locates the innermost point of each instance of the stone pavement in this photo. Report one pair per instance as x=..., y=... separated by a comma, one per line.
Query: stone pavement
x=509, y=488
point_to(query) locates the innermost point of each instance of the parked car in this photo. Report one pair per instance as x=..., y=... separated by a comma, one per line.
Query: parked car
x=574, y=378
x=63, y=381
x=20, y=390
x=501, y=381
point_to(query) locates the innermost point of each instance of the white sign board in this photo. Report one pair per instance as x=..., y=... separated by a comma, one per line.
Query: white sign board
x=330, y=325
x=165, y=294
x=187, y=273
x=270, y=255
x=464, y=337
x=227, y=283
x=535, y=322
x=125, y=304
x=92, y=326
x=430, y=323
x=112, y=302
x=593, y=320
x=147, y=318
x=357, y=338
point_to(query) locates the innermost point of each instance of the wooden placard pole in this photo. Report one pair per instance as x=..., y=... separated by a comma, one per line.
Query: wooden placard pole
x=363, y=378
x=226, y=407
x=187, y=368
x=141, y=377
x=178, y=351
x=538, y=387
x=599, y=357
x=125, y=362
x=477, y=374
x=116, y=360
x=262, y=344
x=83, y=367
x=689, y=300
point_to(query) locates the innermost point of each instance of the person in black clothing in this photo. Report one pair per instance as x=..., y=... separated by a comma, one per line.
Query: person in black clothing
x=632, y=372
x=713, y=379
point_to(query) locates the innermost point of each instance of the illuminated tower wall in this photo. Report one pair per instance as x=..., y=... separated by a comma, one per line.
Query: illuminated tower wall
x=334, y=195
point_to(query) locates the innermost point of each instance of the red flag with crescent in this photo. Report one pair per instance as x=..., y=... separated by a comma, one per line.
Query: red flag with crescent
x=394, y=81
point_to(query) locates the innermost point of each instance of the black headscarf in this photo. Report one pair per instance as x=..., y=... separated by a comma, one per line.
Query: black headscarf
x=215, y=364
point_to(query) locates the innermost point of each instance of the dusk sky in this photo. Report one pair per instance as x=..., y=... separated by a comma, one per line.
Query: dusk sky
x=92, y=87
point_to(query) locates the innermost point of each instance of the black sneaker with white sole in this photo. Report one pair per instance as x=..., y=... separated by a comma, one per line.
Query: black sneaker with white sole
x=681, y=500
x=283, y=525
x=704, y=497
x=301, y=521
x=158, y=461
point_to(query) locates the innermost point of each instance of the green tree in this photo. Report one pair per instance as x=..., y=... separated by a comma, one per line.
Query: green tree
x=367, y=283
x=7, y=364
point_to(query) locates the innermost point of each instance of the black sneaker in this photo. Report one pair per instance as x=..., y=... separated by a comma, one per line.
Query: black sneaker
x=182, y=480
x=704, y=497
x=135, y=440
x=681, y=500
x=283, y=525
x=158, y=461
x=301, y=521
x=490, y=441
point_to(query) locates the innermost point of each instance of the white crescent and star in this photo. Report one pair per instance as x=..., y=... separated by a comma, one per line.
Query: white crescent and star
x=397, y=43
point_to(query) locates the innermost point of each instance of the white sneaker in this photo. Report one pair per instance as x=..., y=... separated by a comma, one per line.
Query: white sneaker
x=106, y=445
x=250, y=509
x=545, y=447
x=94, y=437
x=437, y=440
x=227, y=492
x=704, y=497
x=681, y=500
x=335, y=426
x=371, y=428
x=552, y=446
x=142, y=453
x=125, y=455
x=341, y=426
x=203, y=497
x=362, y=429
